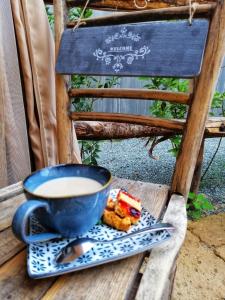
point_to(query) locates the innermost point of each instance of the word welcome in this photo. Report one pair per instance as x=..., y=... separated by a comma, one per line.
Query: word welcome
x=121, y=49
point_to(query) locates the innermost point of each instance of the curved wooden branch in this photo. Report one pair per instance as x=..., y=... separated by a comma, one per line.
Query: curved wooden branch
x=93, y=130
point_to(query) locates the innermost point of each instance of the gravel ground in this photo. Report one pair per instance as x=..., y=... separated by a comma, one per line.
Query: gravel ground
x=129, y=159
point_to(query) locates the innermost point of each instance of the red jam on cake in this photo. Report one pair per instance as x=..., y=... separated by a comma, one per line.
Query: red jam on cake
x=123, y=212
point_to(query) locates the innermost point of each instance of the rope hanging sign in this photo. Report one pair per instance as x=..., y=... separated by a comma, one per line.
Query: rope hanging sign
x=161, y=48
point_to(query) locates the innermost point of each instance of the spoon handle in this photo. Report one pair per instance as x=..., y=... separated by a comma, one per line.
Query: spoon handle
x=155, y=227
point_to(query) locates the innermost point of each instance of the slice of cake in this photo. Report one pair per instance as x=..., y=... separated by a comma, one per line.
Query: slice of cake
x=123, y=212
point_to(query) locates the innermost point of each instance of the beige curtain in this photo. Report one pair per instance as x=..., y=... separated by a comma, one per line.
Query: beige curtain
x=14, y=150
x=37, y=60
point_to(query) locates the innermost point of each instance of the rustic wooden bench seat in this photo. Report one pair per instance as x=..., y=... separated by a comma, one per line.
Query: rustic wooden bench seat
x=118, y=280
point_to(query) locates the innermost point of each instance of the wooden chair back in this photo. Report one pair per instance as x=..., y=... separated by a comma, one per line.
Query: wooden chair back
x=154, y=48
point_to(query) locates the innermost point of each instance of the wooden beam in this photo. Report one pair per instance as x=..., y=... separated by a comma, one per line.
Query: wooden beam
x=126, y=118
x=157, y=275
x=93, y=130
x=203, y=10
x=128, y=5
x=144, y=94
x=199, y=109
x=64, y=125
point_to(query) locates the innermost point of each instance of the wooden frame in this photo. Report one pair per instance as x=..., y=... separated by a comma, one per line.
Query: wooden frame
x=199, y=106
x=157, y=280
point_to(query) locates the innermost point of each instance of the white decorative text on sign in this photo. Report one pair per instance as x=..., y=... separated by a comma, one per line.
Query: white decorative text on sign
x=119, y=55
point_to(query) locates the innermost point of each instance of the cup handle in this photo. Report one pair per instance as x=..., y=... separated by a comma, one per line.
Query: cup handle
x=20, y=222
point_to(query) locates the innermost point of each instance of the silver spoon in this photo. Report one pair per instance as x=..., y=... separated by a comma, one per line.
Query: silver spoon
x=82, y=245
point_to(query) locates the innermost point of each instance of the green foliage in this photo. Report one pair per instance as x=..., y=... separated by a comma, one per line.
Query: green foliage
x=218, y=103
x=163, y=109
x=198, y=204
x=50, y=17
x=82, y=81
x=89, y=149
x=90, y=152
x=75, y=13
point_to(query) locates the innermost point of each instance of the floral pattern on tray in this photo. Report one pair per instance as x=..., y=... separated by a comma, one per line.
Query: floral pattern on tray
x=41, y=256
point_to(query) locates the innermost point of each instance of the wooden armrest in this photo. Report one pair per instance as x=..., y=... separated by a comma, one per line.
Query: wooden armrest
x=155, y=282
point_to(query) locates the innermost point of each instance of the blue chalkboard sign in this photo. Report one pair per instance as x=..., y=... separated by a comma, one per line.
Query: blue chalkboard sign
x=162, y=48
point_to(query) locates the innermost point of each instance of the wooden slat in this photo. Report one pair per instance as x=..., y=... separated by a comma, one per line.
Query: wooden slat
x=9, y=245
x=126, y=118
x=15, y=283
x=162, y=259
x=96, y=283
x=128, y=5
x=11, y=191
x=8, y=209
x=144, y=94
x=204, y=10
x=163, y=48
x=199, y=110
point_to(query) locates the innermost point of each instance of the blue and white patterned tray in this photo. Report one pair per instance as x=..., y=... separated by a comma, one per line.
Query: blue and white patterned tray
x=41, y=256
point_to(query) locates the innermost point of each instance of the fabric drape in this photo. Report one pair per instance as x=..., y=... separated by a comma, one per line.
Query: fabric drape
x=14, y=150
x=37, y=60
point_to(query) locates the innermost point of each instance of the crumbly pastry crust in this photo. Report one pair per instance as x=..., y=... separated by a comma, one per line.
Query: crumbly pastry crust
x=123, y=212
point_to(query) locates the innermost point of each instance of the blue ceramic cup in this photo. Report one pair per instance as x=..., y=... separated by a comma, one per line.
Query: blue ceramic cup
x=67, y=216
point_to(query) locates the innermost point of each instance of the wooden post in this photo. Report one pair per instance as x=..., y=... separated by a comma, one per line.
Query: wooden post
x=64, y=124
x=199, y=109
x=196, y=180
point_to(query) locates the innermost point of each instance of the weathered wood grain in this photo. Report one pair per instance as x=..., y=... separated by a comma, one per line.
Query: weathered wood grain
x=127, y=5
x=202, y=98
x=115, y=280
x=11, y=191
x=15, y=283
x=162, y=259
x=9, y=245
x=126, y=118
x=144, y=94
x=8, y=209
x=204, y=10
x=96, y=130
x=161, y=48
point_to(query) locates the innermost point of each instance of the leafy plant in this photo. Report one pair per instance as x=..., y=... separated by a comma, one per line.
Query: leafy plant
x=50, y=17
x=163, y=109
x=218, y=103
x=90, y=152
x=198, y=204
x=75, y=13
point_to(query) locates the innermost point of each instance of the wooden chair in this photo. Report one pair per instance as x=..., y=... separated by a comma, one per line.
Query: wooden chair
x=141, y=276
x=204, y=73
